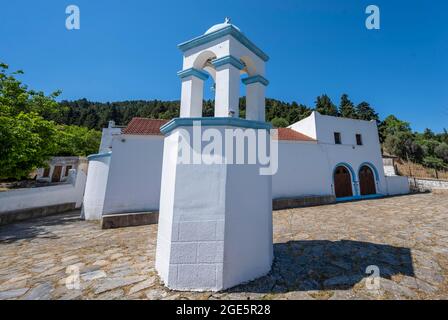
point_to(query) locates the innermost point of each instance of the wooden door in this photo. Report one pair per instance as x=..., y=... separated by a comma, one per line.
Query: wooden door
x=366, y=181
x=56, y=176
x=342, y=182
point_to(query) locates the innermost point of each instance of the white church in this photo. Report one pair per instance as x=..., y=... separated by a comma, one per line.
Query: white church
x=321, y=159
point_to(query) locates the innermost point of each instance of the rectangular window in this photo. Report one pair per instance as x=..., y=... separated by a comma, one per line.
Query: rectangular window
x=46, y=173
x=358, y=139
x=67, y=169
x=337, y=137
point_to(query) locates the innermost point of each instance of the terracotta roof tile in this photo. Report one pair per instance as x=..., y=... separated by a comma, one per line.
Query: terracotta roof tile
x=144, y=126
x=292, y=135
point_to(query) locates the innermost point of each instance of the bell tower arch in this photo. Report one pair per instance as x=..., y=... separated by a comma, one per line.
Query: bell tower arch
x=224, y=53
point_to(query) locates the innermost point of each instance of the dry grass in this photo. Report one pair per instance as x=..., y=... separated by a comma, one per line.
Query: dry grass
x=411, y=169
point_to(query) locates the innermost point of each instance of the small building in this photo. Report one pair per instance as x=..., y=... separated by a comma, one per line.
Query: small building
x=58, y=169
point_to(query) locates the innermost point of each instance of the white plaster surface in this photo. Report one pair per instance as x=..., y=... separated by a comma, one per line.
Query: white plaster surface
x=95, y=188
x=397, y=185
x=215, y=223
x=133, y=183
x=28, y=198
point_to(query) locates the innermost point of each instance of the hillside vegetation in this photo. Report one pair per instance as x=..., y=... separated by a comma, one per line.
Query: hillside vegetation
x=35, y=127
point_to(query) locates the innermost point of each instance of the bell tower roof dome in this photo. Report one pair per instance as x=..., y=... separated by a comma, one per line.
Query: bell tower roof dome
x=223, y=25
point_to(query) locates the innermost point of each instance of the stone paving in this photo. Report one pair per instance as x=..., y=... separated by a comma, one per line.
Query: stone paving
x=320, y=253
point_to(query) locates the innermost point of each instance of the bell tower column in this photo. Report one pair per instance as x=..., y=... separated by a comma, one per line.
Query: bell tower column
x=192, y=92
x=227, y=86
x=255, y=97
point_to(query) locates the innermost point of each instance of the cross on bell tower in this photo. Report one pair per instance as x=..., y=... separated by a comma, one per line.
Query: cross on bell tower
x=224, y=53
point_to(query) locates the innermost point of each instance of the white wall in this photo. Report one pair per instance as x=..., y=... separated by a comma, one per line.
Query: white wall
x=303, y=169
x=133, y=183
x=28, y=198
x=306, y=126
x=397, y=185
x=106, y=138
x=215, y=222
x=96, y=187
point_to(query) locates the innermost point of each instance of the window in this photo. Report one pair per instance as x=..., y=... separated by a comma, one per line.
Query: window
x=46, y=173
x=67, y=169
x=337, y=137
x=358, y=139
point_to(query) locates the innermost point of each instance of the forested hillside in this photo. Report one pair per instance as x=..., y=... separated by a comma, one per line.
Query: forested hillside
x=397, y=138
x=95, y=115
x=34, y=126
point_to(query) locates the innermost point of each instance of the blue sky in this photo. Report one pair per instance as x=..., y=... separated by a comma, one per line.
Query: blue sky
x=127, y=50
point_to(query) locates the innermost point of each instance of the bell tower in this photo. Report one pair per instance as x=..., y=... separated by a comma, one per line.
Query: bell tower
x=215, y=215
x=224, y=53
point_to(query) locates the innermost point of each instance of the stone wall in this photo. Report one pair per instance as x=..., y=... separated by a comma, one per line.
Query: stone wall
x=428, y=184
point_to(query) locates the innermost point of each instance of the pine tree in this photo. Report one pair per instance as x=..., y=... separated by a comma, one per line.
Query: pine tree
x=325, y=106
x=347, y=108
x=366, y=112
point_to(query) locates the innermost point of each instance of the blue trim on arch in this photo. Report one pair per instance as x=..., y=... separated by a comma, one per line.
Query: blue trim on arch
x=352, y=173
x=230, y=30
x=228, y=59
x=257, y=78
x=371, y=166
x=99, y=155
x=214, y=121
x=193, y=72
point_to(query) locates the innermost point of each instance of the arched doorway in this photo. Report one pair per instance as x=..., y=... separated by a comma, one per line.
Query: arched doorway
x=366, y=181
x=342, y=182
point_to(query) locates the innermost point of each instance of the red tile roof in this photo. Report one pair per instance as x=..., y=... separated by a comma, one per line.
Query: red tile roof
x=292, y=135
x=144, y=126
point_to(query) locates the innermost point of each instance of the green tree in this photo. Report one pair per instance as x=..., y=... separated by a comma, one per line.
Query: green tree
x=441, y=151
x=27, y=141
x=279, y=122
x=428, y=134
x=27, y=137
x=347, y=108
x=391, y=126
x=365, y=112
x=15, y=97
x=325, y=106
x=76, y=141
x=402, y=144
x=428, y=146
